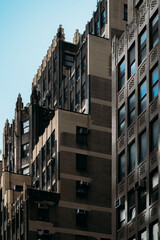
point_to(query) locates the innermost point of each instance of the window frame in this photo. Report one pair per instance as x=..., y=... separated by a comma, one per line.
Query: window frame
x=144, y=96
x=121, y=168
x=122, y=121
x=142, y=47
x=154, y=189
x=142, y=157
x=152, y=83
x=121, y=74
x=131, y=61
x=154, y=31
x=133, y=162
x=131, y=109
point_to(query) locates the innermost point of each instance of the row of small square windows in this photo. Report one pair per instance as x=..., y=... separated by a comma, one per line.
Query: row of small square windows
x=141, y=53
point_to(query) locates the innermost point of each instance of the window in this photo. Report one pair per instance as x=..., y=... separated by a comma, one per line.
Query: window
x=81, y=135
x=43, y=179
x=121, y=167
x=131, y=109
x=81, y=218
x=154, y=135
x=131, y=61
x=77, y=73
x=121, y=217
x=81, y=162
x=154, y=82
x=103, y=18
x=55, y=64
x=121, y=120
x=97, y=28
x=154, y=232
x=53, y=139
x=83, y=93
x=49, y=75
x=25, y=150
x=154, y=187
x=25, y=171
x=141, y=200
x=83, y=65
x=44, y=84
x=43, y=212
x=25, y=127
x=143, y=235
x=142, y=96
x=121, y=75
x=142, y=46
x=65, y=93
x=48, y=145
x=78, y=98
x=131, y=205
x=81, y=188
x=142, y=146
x=131, y=156
x=154, y=31
x=125, y=12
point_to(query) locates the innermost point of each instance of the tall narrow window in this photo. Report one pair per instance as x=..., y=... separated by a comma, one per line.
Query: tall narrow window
x=142, y=146
x=83, y=65
x=97, y=28
x=154, y=187
x=121, y=167
x=154, y=232
x=142, y=96
x=125, y=12
x=154, y=82
x=131, y=205
x=121, y=217
x=83, y=92
x=141, y=200
x=121, y=120
x=103, y=18
x=131, y=109
x=143, y=235
x=131, y=61
x=44, y=84
x=142, y=46
x=25, y=127
x=121, y=75
x=154, y=31
x=132, y=156
x=154, y=135
x=25, y=150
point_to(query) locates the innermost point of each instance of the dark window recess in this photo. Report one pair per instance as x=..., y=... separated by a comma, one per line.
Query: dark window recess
x=43, y=179
x=154, y=187
x=82, y=188
x=131, y=205
x=125, y=18
x=142, y=96
x=18, y=188
x=121, y=167
x=49, y=75
x=25, y=127
x=97, y=28
x=83, y=65
x=121, y=120
x=72, y=81
x=55, y=64
x=131, y=156
x=81, y=135
x=43, y=234
x=78, y=98
x=37, y=165
x=53, y=139
x=142, y=46
x=34, y=168
x=81, y=162
x=154, y=75
x=44, y=84
x=65, y=94
x=131, y=109
x=72, y=105
x=141, y=199
x=154, y=135
x=131, y=61
x=142, y=146
x=83, y=92
x=48, y=145
x=121, y=74
x=25, y=150
x=81, y=218
x=48, y=173
x=60, y=101
x=154, y=31
x=77, y=73
x=121, y=217
x=55, y=88
x=103, y=18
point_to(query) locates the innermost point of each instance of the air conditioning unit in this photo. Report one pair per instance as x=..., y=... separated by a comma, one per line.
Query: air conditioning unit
x=42, y=206
x=83, y=131
x=80, y=211
x=141, y=184
x=119, y=203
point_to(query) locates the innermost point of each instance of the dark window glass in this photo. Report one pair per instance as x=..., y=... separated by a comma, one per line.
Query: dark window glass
x=103, y=18
x=121, y=77
x=131, y=61
x=141, y=200
x=49, y=75
x=154, y=82
x=142, y=46
x=97, y=28
x=81, y=135
x=25, y=127
x=154, y=31
x=125, y=12
x=132, y=156
x=81, y=218
x=43, y=179
x=83, y=65
x=140, y=4
x=131, y=205
x=154, y=135
x=83, y=93
x=142, y=146
x=43, y=213
x=154, y=187
x=131, y=109
x=121, y=217
x=77, y=73
x=25, y=150
x=48, y=145
x=55, y=64
x=154, y=235
x=65, y=93
x=142, y=96
x=121, y=167
x=82, y=188
x=78, y=98
x=81, y=162
x=121, y=120
x=44, y=84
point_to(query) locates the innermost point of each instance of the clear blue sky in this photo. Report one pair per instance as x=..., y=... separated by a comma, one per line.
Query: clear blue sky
x=27, y=29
